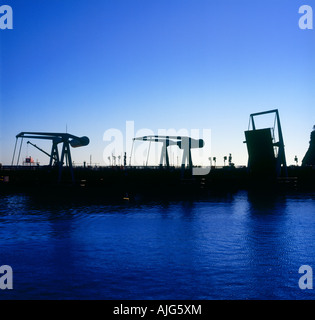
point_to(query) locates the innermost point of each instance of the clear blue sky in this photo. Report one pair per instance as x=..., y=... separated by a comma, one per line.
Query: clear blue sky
x=193, y=64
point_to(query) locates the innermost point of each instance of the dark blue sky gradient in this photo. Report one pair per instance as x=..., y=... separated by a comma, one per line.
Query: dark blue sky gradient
x=194, y=64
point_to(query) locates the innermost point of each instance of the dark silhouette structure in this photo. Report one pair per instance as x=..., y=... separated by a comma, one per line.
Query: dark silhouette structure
x=56, y=160
x=309, y=158
x=266, y=156
x=184, y=143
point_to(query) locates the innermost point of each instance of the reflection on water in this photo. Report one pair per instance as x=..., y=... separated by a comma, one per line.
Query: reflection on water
x=235, y=246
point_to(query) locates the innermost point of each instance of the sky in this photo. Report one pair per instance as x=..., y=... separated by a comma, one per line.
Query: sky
x=115, y=69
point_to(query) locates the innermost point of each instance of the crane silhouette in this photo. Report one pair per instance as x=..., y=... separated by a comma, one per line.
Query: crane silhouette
x=183, y=142
x=57, y=160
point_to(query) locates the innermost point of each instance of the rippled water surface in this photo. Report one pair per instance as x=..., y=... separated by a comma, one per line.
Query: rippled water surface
x=234, y=246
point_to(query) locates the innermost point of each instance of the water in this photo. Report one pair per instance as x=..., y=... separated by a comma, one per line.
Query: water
x=234, y=246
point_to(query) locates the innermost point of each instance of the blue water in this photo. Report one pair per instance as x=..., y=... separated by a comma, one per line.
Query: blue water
x=233, y=246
